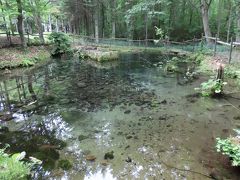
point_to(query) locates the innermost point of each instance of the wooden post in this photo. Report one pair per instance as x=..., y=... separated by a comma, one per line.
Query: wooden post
x=73, y=37
x=230, y=55
x=193, y=43
x=215, y=46
x=202, y=39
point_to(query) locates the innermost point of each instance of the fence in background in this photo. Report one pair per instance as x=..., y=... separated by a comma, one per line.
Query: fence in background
x=230, y=52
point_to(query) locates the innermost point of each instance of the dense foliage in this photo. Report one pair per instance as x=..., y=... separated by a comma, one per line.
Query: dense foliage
x=213, y=87
x=231, y=148
x=13, y=167
x=133, y=19
x=61, y=44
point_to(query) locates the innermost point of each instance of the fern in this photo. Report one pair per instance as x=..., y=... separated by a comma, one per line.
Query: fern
x=12, y=167
x=27, y=62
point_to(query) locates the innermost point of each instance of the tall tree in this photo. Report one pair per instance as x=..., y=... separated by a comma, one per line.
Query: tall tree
x=113, y=10
x=20, y=24
x=37, y=8
x=238, y=20
x=205, y=5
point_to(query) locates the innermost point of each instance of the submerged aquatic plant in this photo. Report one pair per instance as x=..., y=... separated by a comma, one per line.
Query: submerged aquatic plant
x=65, y=164
x=230, y=147
x=213, y=87
x=13, y=167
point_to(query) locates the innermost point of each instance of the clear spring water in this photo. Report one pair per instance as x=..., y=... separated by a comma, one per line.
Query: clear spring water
x=151, y=120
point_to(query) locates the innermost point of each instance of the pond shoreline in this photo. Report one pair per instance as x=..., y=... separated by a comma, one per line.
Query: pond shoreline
x=14, y=57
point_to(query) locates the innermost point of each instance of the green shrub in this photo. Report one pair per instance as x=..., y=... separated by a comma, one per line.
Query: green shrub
x=35, y=41
x=213, y=87
x=12, y=167
x=197, y=58
x=61, y=44
x=230, y=72
x=26, y=62
x=231, y=148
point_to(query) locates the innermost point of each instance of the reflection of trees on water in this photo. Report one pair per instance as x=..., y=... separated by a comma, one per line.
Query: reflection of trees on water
x=38, y=139
x=17, y=92
x=30, y=87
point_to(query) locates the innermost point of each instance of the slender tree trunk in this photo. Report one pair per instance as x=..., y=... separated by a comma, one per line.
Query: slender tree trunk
x=10, y=19
x=103, y=20
x=219, y=15
x=146, y=26
x=50, y=23
x=205, y=18
x=113, y=19
x=57, y=28
x=238, y=22
x=11, y=25
x=229, y=23
x=20, y=24
x=7, y=31
x=96, y=23
x=40, y=28
x=38, y=19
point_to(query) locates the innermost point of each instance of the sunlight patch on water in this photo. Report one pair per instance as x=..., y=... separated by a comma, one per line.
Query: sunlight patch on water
x=104, y=174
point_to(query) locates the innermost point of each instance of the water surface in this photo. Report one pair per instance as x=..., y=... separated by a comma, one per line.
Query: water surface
x=151, y=120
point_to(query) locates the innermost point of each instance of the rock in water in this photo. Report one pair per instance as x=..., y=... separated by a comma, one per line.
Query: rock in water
x=127, y=112
x=104, y=163
x=91, y=158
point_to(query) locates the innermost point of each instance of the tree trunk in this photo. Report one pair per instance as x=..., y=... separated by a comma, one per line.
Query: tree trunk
x=229, y=23
x=50, y=23
x=219, y=15
x=11, y=25
x=96, y=23
x=39, y=27
x=102, y=18
x=146, y=26
x=20, y=24
x=10, y=20
x=205, y=18
x=113, y=19
x=96, y=28
x=38, y=19
x=7, y=31
x=238, y=22
x=57, y=28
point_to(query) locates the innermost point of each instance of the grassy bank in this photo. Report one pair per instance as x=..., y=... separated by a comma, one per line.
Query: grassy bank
x=15, y=57
x=103, y=53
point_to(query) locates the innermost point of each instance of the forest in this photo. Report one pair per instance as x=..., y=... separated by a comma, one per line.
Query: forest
x=119, y=89
x=134, y=19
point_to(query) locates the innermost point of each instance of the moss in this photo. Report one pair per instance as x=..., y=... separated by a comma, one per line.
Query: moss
x=100, y=55
x=82, y=137
x=14, y=58
x=48, y=157
x=109, y=155
x=64, y=164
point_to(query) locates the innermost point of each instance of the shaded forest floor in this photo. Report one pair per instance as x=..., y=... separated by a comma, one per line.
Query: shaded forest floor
x=15, y=57
x=5, y=43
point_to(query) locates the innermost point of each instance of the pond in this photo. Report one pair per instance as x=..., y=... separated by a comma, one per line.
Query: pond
x=127, y=119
